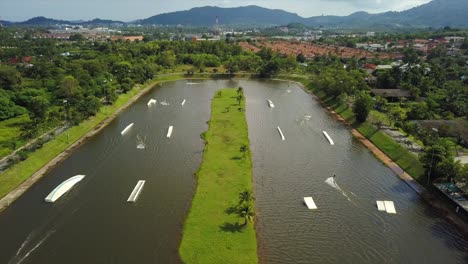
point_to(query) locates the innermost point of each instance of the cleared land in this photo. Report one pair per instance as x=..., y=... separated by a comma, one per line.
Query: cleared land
x=310, y=50
x=213, y=233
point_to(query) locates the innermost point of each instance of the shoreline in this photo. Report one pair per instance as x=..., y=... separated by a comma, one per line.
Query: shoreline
x=14, y=194
x=440, y=207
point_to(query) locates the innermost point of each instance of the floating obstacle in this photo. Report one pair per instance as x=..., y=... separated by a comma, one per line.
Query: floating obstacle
x=141, y=142
x=151, y=102
x=281, y=133
x=386, y=206
x=270, y=103
x=310, y=203
x=183, y=102
x=164, y=103
x=381, y=206
x=136, y=191
x=63, y=188
x=192, y=83
x=169, y=131
x=126, y=129
x=329, y=138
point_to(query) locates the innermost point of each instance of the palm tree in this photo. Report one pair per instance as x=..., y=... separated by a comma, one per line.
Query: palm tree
x=239, y=98
x=243, y=149
x=246, y=196
x=246, y=211
x=240, y=90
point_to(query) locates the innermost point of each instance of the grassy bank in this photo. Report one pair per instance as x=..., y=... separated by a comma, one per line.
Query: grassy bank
x=10, y=130
x=18, y=173
x=399, y=154
x=212, y=232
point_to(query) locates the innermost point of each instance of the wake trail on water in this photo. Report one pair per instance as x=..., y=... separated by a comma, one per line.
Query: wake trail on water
x=331, y=181
x=26, y=242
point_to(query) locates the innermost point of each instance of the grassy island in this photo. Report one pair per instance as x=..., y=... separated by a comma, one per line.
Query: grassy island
x=213, y=231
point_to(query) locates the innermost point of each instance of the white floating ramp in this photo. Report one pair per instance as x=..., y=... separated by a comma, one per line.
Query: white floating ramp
x=126, y=129
x=136, y=191
x=63, y=188
x=183, y=102
x=270, y=103
x=169, y=131
x=310, y=203
x=281, y=133
x=386, y=206
x=329, y=138
x=151, y=102
x=390, y=207
x=381, y=206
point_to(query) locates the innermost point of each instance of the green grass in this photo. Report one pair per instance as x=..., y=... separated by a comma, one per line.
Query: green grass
x=211, y=233
x=10, y=131
x=399, y=154
x=18, y=173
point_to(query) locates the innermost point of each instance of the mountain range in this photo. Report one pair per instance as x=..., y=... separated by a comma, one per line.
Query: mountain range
x=437, y=13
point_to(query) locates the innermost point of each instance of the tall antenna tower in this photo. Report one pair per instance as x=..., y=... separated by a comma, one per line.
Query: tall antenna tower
x=217, y=26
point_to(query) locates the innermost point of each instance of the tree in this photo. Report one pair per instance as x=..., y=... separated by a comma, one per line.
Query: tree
x=463, y=174
x=243, y=149
x=411, y=56
x=431, y=158
x=265, y=53
x=270, y=68
x=167, y=59
x=38, y=109
x=231, y=66
x=240, y=90
x=10, y=78
x=246, y=197
x=450, y=168
x=301, y=58
x=126, y=84
x=362, y=106
x=246, y=212
x=90, y=106
x=239, y=98
x=122, y=70
x=8, y=109
x=76, y=37
x=110, y=94
x=69, y=88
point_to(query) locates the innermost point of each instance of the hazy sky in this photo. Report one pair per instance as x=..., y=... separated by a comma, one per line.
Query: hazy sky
x=126, y=10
